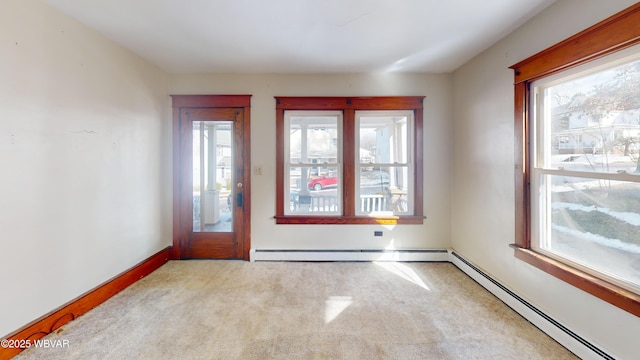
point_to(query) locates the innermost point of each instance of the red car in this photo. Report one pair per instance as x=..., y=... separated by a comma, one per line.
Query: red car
x=368, y=179
x=329, y=179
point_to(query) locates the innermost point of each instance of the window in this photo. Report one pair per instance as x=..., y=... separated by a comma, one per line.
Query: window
x=349, y=160
x=384, y=162
x=578, y=148
x=313, y=162
x=587, y=208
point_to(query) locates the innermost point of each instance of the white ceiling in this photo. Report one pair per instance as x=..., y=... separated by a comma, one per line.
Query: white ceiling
x=304, y=36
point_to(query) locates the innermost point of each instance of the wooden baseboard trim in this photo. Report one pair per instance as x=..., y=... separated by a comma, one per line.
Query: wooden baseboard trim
x=80, y=305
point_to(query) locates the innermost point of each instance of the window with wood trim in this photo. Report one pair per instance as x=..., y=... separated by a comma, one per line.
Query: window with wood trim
x=349, y=160
x=577, y=122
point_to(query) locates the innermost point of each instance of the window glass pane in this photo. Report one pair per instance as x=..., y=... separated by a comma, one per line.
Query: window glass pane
x=592, y=120
x=383, y=138
x=313, y=139
x=384, y=180
x=314, y=190
x=383, y=189
x=315, y=184
x=594, y=223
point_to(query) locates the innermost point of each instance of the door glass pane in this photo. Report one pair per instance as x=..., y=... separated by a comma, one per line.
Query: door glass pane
x=212, y=176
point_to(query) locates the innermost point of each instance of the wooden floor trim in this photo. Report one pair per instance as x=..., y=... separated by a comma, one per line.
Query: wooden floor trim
x=75, y=308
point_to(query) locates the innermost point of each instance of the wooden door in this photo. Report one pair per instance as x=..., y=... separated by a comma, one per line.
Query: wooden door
x=212, y=210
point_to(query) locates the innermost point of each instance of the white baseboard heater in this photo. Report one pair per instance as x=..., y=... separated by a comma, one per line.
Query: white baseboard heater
x=560, y=333
x=569, y=339
x=349, y=255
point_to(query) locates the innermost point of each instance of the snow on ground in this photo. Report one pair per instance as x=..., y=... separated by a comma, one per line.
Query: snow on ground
x=587, y=159
x=628, y=217
x=598, y=239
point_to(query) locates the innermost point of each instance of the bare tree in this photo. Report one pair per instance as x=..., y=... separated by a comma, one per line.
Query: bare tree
x=619, y=94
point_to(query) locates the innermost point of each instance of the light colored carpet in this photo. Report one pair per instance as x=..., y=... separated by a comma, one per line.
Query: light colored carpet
x=270, y=310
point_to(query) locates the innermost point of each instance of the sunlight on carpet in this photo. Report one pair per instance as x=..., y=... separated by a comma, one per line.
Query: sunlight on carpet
x=335, y=305
x=404, y=272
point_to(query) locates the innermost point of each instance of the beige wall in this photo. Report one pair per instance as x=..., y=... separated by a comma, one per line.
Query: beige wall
x=483, y=159
x=84, y=133
x=433, y=234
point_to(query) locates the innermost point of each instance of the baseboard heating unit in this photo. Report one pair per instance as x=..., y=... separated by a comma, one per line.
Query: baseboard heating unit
x=349, y=255
x=572, y=341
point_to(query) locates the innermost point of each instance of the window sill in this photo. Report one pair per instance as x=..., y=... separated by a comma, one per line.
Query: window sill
x=345, y=220
x=606, y=291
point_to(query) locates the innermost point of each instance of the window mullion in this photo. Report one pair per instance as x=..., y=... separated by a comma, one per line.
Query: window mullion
x=348, y=162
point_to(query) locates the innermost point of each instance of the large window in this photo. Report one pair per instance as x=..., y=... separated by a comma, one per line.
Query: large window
x=586, y=168
x=349, y=160
x=578, y=137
